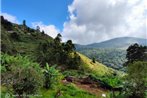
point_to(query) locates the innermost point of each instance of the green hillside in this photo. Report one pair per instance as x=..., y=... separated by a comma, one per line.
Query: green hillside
x=36, y=56
x=97, y=68
x=18, y=40
x=114, y=58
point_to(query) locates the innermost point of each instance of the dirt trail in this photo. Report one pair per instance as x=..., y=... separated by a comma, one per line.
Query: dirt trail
x=89, y=88
x=93, y=90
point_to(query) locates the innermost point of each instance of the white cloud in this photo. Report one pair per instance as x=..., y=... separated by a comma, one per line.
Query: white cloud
x=51, y=30
x=10, y=18
x=97, y=20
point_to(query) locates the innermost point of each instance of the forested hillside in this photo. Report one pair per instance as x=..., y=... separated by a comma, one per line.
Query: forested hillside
x=34, y=64
x=111, y=52
x=114, y=58
x=23, y=46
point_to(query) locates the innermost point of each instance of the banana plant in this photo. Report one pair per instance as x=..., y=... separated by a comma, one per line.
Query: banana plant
x=52, y=76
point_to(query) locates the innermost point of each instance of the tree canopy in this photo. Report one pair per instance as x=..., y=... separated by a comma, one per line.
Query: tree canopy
x=136, y=53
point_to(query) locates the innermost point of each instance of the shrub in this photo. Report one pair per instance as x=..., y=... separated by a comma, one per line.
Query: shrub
x=15, y=36
x=136, y=79
x=20, y=74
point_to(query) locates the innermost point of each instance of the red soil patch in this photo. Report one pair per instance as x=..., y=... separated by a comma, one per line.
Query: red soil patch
x=89, y=88
x=93, y=90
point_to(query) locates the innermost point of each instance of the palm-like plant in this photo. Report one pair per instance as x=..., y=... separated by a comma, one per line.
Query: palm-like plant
x=52, y=76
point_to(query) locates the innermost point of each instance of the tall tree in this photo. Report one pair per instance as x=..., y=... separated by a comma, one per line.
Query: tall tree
x=58, y=39
x=136, y=53
x=38, y=29
x=57, y=43
x=69, y=46
x=58, y=49
x=24, y=23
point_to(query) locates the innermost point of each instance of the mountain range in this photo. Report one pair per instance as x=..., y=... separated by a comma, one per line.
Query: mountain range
x=120, y=42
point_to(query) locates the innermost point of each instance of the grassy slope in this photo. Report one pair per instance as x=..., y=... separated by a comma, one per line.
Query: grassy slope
x=67, y=91
x=97, y=68
x=27, y=43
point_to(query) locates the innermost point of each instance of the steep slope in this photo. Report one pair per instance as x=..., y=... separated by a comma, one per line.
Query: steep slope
x=17, y=40
x=97, y=68
x=114, y=58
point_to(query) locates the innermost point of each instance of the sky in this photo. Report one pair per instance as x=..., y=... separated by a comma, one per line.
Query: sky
x=82, y=21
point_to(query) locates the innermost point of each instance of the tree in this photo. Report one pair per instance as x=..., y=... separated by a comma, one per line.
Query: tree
x=24, y=23
x=136, y=81
x=42, y=32
x=74, y=61
x=43, y=53
x=58, y=49
x=93, y=60
x=69, y=46
x=136, y=53
x=58, y=39
x=25, y=29
x=38, y=29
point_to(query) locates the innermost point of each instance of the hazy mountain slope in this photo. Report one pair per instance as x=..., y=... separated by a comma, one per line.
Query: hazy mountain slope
x=122, y=42
x=111, y=52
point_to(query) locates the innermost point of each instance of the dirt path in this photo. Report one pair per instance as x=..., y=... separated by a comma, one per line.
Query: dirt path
x=90, y=88
x=93, y=90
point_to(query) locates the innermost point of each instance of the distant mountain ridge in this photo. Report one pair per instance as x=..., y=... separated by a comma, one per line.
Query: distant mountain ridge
x=121, y=42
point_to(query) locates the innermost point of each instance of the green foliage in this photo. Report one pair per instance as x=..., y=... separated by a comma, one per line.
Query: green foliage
x=21, y=40
x=71, y=91
x=75, y=73
x=66, y=91
x=7, y=25
x=114, y=58
x=59, y=53
x=38, y=29
x=74, y=61
x=52, y=76
x=20, y=74
x=24, y=76
x=112, y=81
x=6, y=44
x=69, y=46
x=136, y=53
x=136, y=81
x=93, y=60
x=15, y=36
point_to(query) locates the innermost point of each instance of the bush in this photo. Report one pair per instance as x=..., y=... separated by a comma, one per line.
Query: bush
x=74, y=61
x=15, y=36
x=20, y=74
x=136, y=79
